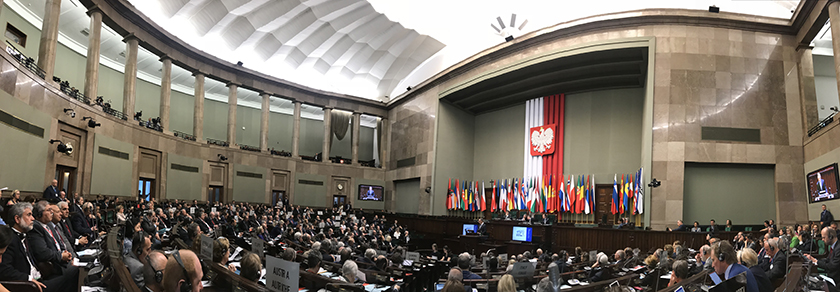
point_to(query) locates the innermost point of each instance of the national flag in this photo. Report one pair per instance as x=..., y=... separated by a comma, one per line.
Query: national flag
x=640, y=202
x=483, y=198
x=614, y=205
x=586, y=209
x=581, y=199
x=592, y=194
x=564, y=205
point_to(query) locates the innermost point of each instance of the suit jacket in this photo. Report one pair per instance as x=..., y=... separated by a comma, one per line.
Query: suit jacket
x=826, y=218
x=482, y=229
x=204, y=226
x=42, y=245
x=831, y=263
x=66, y=240
x=778, y=266
x=15, y=265
x=736, y=269
x=681, y=228
x=135, y=268
x=80, y=224
x=764, y=284
x=51, y=194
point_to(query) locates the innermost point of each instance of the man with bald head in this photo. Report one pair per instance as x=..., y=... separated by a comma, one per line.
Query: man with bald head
x=831, y=263
x=153, y=270
x=183, y=269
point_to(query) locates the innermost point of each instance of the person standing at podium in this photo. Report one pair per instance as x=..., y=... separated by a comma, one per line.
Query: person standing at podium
x=482, y=228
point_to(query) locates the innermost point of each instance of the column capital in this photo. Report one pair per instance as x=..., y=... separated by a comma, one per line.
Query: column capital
x=355, y=113
x=165, y=57
x=229, y=84
x=199, y=72
x=326, y=107
x=130, y=36
x=94, y=9
x=266, y=93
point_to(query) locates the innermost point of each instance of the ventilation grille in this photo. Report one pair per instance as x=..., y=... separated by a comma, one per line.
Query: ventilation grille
x=406, y=162
x=248, y=174
x=186, y=168
x=730, y=134
x=113, y=153
x=22, y=125
x=310, y=182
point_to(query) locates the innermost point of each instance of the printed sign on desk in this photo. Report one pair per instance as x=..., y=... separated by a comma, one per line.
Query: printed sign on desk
x=412, y=256
x=522, y=270
x=258, y=247
x=206, y=246
x=192, y=210
x=280, y=275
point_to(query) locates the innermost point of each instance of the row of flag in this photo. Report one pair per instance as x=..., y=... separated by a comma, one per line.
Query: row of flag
x=628, y=194
x=548, y=194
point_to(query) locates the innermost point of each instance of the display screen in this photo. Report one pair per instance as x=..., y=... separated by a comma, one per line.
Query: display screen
x=822, y=184
x=371, y=193
x=469, y=227
x=522, y=233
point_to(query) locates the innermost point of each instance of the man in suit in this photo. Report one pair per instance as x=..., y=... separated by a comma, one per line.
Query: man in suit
x=725, y=262
x=64, y=225
x=826, y=217
x=831, y=263
x=202, y=222
x=18, y=262
x=713, y=228
x=63, y=238
x=778, y=259
x=680, y=226
x=45, y=242
x=141, y=245
x=51, y=192
x=482, y=228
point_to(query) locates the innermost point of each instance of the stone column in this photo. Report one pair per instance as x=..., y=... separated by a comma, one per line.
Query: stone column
x=296, y=131
x=165, y=91
x=49, y=38
x=834, y=20
x=231, y=118
x=325, y=153
x=198, y=116
x=355, y=142
x=807, y=88
x=264, y=121
x=130, y=87
x=383, y=147
x=92, y=66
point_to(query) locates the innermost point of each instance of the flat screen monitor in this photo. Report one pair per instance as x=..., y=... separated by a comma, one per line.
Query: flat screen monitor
x=522, y=233
x=822, y=184
x=371, y=193
x=469, y=227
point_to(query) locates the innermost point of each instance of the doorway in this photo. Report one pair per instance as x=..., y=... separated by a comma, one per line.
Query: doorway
x=603, y=205
x=214, y=194
x=66, y=177
x=145, y=189
x=339, y=200
x=277, y=198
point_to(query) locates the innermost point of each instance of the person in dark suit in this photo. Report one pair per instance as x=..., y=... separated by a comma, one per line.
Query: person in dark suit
x=482, y=228
x=778, y=259
x=831, y=263
x=749, y=259
x=826, y=217
x=140, y=248
x=713, y=228
x=680, y=227
x=51, y=192
x=44, y=241
x=725, y=262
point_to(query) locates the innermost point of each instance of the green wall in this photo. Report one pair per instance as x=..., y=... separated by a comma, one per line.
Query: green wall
x=70, y=67
x=33, y=34
x=215, y=120
x=110, y=86
x=454, y=154
x=407, y=196
x=249, y=189
x=499, y=145
x=353, y=195
x=743, y=193
x=147, y=99
x=365, y=143
x=280, y=131
x=310, y=195
x=181, y=112
x=824, y=160
x=311, y=137
x=111, y=175
x=250, y=119
x=184, y=185
x=24, y=154
x=603, y=133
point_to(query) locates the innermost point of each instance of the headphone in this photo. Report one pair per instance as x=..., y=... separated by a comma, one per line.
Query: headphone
x=37, y=213
x=158, y=273
x=137, y=242
x=187, y=286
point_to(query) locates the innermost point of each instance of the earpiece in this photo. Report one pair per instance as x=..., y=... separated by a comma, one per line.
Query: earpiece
x=187, y=286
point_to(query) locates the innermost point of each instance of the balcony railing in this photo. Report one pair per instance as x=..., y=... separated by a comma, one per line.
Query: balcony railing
x=184, y=136
x=217, y=142
x=341, y=160
x=118, y=114
x=283, y=153
x=25, y=61
x=151, y=125
x=249, y=148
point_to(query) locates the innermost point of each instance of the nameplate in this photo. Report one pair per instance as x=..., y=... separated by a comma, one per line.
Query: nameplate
x=213, y=209
x=522, y=270
x=337, y=224
x=412, y=256
x=320, y=213
x=280, y=275
x=252, y=213
x=207, y=247
x=503, y=258
x=258, y=247
x=192, y=210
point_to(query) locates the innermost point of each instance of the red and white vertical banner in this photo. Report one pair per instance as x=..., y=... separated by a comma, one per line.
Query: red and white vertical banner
x=544, y=125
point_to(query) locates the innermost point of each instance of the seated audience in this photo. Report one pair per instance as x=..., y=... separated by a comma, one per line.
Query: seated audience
x=183, y=272
x=349, y=272
x=748, y=258
x=464, y=263
x=153, y=271
x=140, y=247
x=600, y=269
x=725, y=262
x=679, y=272
x=251, y=267
x=454, y=281
x=507, y=284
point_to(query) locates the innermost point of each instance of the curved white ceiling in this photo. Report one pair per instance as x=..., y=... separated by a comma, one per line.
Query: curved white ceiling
x=336, y=45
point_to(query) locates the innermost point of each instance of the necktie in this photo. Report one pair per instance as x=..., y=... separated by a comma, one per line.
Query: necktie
x=60, y=238
x=49, y=231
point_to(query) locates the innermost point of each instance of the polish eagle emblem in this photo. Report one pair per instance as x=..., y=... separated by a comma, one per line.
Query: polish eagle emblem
x=542, y=139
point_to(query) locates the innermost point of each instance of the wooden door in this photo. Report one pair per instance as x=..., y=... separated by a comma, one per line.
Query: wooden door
x=603, y=204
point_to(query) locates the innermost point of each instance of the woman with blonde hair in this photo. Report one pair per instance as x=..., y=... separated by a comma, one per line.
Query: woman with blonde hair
x=748, y=258
x=506, y=284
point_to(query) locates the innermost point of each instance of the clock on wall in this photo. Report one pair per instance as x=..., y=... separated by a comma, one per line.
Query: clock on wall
x=340, y=186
